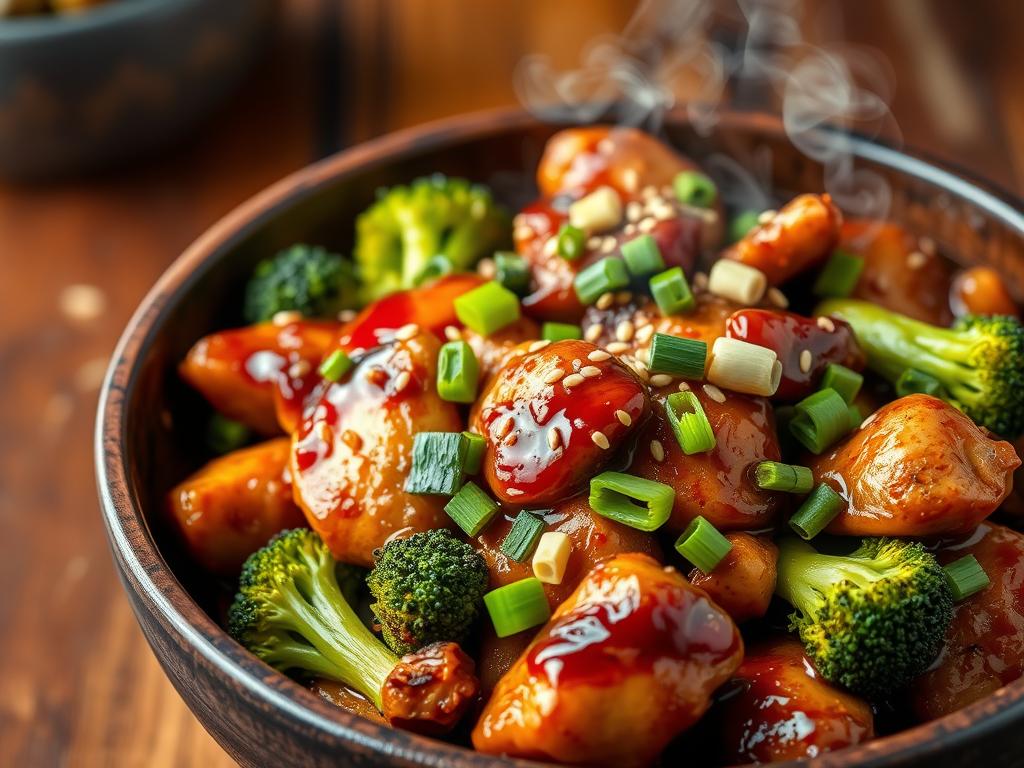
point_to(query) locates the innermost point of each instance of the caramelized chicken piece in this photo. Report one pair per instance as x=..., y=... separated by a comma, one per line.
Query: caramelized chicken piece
x=744, y=581
x=897, y=274
x=793, y=337
x=352, y=454
x=493, y=352
x=625, y=664
x=429, y=691
x=777, y=708
x=716, y=484
x=553, y=418
x=918, y=467
x=238, y=371
x=430, y=307
x=234, y=505
x=801, y=235
x=981, y=291
x=985, y=643
x=340, y=695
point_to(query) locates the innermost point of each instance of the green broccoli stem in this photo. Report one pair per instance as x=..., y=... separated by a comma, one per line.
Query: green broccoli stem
x=357, y=658
x=805, y=575
x=895, y=342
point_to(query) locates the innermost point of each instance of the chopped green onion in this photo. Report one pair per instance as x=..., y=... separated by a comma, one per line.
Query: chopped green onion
x=560, y=331
x=642, y=256
x=487, y=308
x=458, y=372
x=522, y=538
x=336, y=365
x=437, y=462
x=671, y=292
x=224, y=435
x=689, y=423
x=912, y=382
x=817, y=511
x=512, y=271
x=855, y=416
x=437, y=266
x=471, y=509
x=839, y=276
x=791, y=478
x=571, y=242
x=475, y=447
x=966, y=577
x=615, y=495
x=742, y=224
x=694, y=188
x=844, y=381
x=678, y=356
x=517, y=606
x=703, y=545
x=821, y=419
x=606, y=275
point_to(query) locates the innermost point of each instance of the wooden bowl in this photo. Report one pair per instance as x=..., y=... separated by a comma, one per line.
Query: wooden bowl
x=148, y=422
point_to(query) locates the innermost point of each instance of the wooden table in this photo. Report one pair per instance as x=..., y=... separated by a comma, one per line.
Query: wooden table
x=78, y=685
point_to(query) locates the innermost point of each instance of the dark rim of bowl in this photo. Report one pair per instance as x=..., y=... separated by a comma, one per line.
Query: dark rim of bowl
x=124, y=520
x=36, y=27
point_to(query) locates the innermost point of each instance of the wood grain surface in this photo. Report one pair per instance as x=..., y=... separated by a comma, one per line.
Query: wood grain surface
x=78, y=685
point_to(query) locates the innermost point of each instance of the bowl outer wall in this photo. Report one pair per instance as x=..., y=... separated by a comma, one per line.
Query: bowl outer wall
x=253, y=711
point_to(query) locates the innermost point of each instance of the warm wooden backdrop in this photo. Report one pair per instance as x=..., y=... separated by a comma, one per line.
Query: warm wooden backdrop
x=78, y=685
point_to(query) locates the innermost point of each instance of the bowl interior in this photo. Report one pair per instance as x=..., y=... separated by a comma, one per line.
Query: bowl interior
x=162, y=422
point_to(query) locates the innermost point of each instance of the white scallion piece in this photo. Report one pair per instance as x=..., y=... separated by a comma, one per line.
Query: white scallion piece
x=744, y=367
x=599, y=211
x=738, y=282
x=551, y=557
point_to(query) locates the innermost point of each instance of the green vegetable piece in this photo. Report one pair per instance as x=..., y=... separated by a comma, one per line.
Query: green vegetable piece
x=672, y=293
x=689, y=423
x=839, y=276
x=966, y=577
x=471, y=509
x=437, y=462
x=678, y=356
x=522, y=538
x=844, y=381
x=438, y=266
x=458, y=372
x=821, y=419
x=571, y=242
x=517, y=606
x=475, y=447
x=560, y=331
x=224, y=435
x=703, y=545
x=512, y=271
x=488, y=308
x=742, y=224
x=305, y=279
x=335, y=366
x=913, y=382
x=642, y=256
x=789, y=478
x=818, y=510
x=633, y=501
x=605, y=275
x=694, y=188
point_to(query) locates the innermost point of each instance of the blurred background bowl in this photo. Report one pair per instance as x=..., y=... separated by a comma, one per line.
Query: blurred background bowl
x=79, y=92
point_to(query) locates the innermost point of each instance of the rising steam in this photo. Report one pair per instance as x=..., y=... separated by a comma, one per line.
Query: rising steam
x=666, y=58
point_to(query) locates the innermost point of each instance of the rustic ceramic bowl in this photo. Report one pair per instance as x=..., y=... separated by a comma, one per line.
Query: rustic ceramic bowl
x=147, y=426
x=81, y=91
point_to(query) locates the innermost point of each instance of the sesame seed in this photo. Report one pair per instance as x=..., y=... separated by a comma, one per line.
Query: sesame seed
x=510, y=422
x=777, y=298
x=522, y=232
x=657, y=451
x=661, y=380
x=648, y=192
x=572, y=380
x=629, y=230
x=553, y=376
x=512, y=439
x=537, y=346
x=634, y=211
x=402, y=381
x=714, y=393
x=593, y=332
x=684, y=386
x=598, y=356
x=700, y=281
x=826, y=324
x=916, y=260
x=630, y=179
x=927, y=246
x=643, y=356
x=554, y=439
x=286, y=317
x=644, y=333
x=406, y=332
x=347, y=315
x=806, y=359
x=623, y=297
x=600, y=440
x=868, y=420
x=551, y=246
x=514, y=492
x=608, y=244
x=605, y=146
x=576, y=363
x=299, y=368
x=617, y=347
x=624, y=418
x=646, y=225
x=323, y=431
x=452, y=333
x=624, y=331
x=590, y=371
x=593, y=243
x=765, y=217
x=604, y=301
x=664, y=212
x=487, y=268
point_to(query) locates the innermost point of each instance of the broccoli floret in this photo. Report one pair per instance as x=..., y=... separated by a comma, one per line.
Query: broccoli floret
x=310, y=280
x=872, y=620
x=399, y=235
x=291, y=611
x=428, y=588
x=979, y=361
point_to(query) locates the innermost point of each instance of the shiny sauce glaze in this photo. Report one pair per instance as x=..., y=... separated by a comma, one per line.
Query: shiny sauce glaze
x=744, y=581
x=553, y=418
x=805, y=346
x=353, y=450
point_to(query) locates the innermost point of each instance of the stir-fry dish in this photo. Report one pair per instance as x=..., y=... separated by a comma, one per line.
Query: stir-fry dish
x=624, y=475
